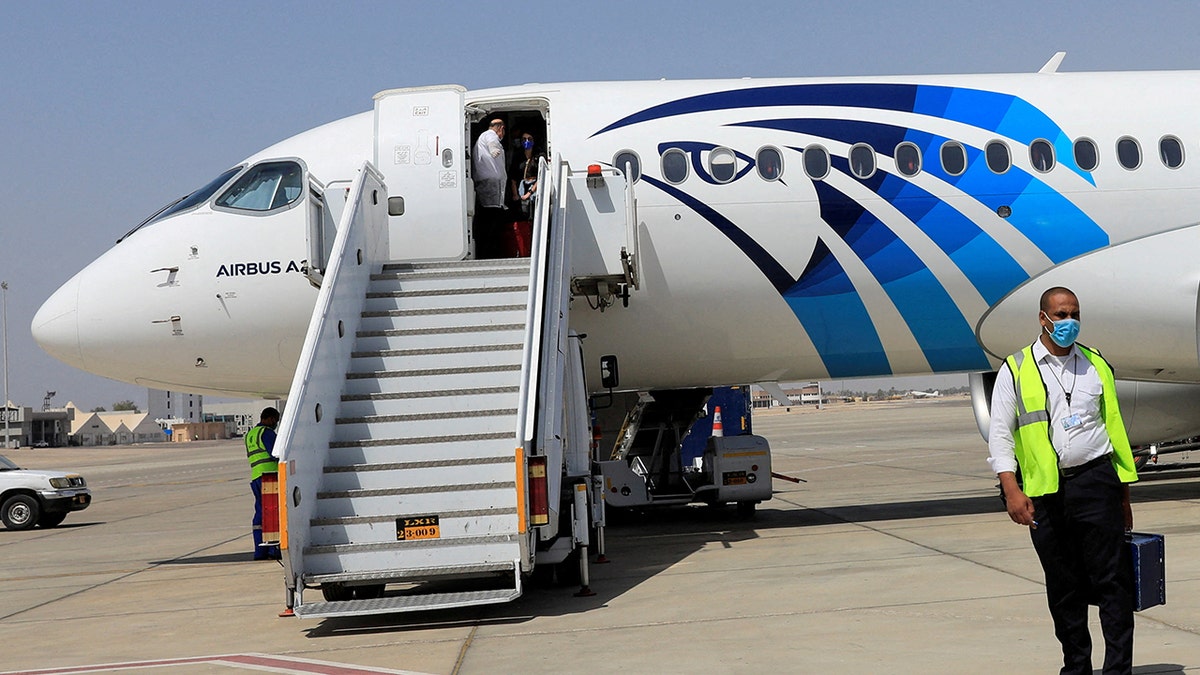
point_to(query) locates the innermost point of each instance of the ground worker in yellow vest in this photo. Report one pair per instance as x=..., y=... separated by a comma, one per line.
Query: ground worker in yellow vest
x=1055, y=417
x=260, y=441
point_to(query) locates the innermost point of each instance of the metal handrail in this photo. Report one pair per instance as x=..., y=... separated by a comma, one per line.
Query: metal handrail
x=539, y=266
x=307, y=427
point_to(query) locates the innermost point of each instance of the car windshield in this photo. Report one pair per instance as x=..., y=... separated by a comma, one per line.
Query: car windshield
x=7, y=465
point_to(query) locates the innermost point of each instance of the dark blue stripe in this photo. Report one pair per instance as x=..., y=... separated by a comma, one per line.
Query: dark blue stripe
x=942, y=332
x=766, y=263
x=1004, y=114
x=1050, y=221
x=880, y=96
x=835, y=318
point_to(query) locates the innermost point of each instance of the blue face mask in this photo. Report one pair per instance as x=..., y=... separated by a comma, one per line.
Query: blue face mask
x=1065, y=331
x=528, y=145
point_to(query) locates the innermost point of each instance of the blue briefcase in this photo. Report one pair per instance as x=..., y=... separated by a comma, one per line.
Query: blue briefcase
x=1149, y=569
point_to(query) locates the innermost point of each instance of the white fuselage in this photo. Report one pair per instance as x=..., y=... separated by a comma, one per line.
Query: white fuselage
x=776, y=274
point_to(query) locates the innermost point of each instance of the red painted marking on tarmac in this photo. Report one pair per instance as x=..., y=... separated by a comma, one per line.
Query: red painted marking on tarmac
x=279, y=664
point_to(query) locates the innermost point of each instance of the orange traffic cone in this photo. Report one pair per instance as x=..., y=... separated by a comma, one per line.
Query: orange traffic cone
x=718, y=427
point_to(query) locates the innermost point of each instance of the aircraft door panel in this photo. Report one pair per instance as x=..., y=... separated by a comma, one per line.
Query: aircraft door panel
x=420, y=148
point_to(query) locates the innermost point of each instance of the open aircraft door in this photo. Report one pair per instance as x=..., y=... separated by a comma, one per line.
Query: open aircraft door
x=601, y=212
x=421, y=150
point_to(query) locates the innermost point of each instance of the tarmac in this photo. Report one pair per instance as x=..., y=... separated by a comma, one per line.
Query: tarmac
x=894, y=557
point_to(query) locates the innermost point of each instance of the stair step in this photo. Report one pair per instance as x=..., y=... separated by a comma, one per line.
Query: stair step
x=405, y=603
x=503, y=355
x=370, y=557
x=364, y=493
x=443, y=292
x=421, y=338
x=489, y=266
x=394, y=546
x=392, y=575
x=423, y=451
x=425, y=417
x=387, y=506
x=432, y=378
x=390, y=518
x=473, y=391
x=461, y=318
x=425, y=299
x=496, y=522
x=444, y=477
x=368, y=405
x=425, y=372
x=441, y=351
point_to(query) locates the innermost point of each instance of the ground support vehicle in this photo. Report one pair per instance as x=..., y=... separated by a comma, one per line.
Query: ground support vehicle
x=31, y=498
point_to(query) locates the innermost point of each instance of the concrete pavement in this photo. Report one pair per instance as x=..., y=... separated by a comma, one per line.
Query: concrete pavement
x=895, y=557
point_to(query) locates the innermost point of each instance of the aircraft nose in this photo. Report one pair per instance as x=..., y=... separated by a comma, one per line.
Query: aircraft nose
x=56, y=325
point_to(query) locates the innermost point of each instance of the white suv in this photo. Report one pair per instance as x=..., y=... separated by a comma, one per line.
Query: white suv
x=44, y=498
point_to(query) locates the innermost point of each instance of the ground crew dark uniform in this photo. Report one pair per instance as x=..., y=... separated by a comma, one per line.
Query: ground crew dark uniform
x=259, y=442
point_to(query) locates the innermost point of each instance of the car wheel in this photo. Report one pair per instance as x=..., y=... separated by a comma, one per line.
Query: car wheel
x=49, y=520
x=20, y=512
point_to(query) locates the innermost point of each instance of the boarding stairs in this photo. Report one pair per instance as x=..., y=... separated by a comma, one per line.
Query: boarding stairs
x=404, y=439
x=425, y=430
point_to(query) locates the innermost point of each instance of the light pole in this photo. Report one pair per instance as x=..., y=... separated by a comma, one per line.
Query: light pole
x=4, y=329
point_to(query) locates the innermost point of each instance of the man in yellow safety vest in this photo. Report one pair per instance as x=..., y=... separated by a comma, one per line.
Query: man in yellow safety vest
x=260, y=441
x=1055, y=417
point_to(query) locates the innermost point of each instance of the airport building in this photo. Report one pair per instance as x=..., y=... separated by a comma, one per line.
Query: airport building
x=240, y=415
x=69, y=425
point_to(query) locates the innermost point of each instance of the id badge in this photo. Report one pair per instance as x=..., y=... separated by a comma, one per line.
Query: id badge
x=1071, y=422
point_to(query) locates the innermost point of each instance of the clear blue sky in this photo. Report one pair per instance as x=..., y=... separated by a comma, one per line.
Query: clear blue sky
x=108, y=110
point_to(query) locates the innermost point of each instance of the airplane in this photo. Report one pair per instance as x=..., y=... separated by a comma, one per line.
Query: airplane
x=719, y=232
x=925, y=394
x=789, y=230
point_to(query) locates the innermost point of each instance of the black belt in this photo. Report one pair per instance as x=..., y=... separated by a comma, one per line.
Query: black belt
x=1073, y=471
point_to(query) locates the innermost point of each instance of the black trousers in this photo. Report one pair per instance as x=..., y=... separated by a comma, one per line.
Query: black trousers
x=1080, y=539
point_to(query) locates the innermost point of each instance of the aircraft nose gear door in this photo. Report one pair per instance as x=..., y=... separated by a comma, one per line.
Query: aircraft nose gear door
x=420, y=148
x=601, y=211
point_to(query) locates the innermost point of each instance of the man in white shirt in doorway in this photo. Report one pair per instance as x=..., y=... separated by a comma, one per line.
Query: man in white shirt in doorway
x=488, y=162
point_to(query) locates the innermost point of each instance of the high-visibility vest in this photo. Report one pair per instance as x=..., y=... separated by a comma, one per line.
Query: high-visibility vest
x=260, y=458
x=1035, y=453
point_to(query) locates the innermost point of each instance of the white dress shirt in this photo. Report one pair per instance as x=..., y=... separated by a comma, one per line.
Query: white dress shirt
x=490, y=176
x=1077, y=440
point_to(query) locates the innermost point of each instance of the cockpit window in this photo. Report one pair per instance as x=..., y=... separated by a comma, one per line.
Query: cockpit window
x=270, y=185
x=198, y=197
x=188, y=201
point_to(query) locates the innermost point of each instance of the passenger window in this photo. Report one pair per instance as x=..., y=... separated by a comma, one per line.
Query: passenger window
x=675, y=165
x=1087, y=158
x=816, y=162
x=1041, y=155
x=998, y=159
x=862, y=160
x=908, y=159
x=954, y=158
x=628, y=163
x=268, y=186
x=770, y=163
x=1129, y=153
x=722, y=164
x=1171, y=151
